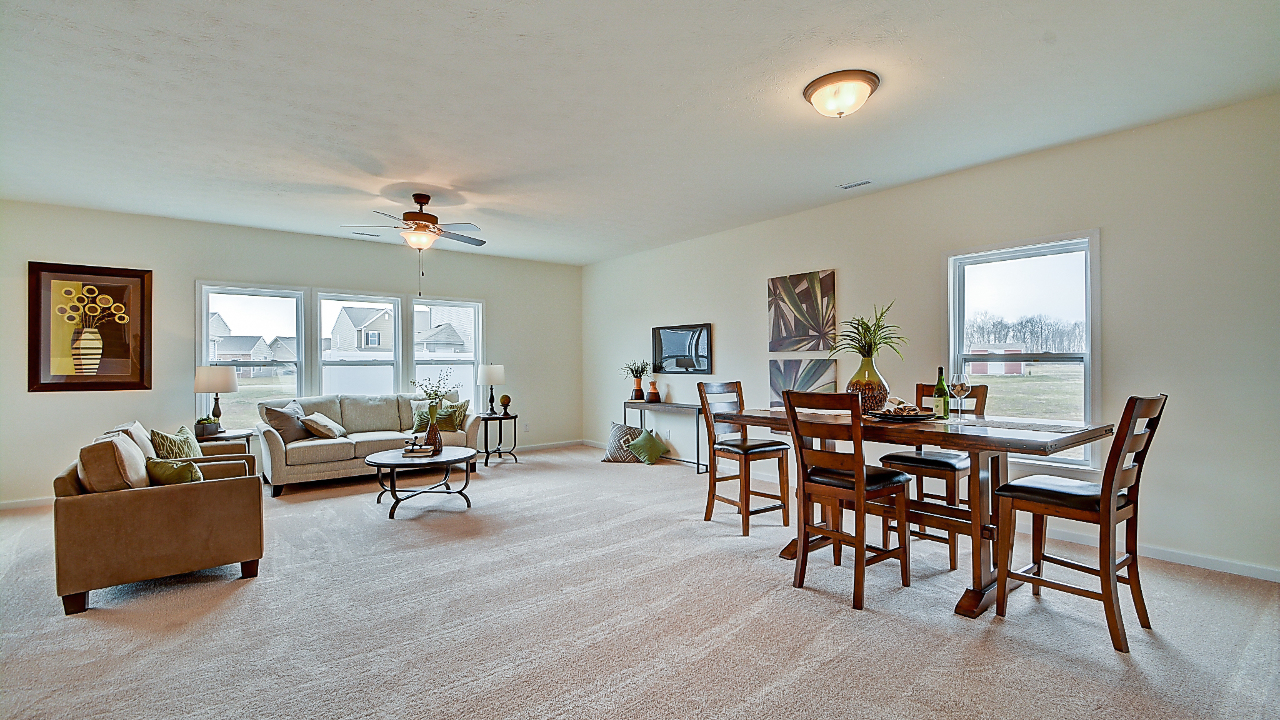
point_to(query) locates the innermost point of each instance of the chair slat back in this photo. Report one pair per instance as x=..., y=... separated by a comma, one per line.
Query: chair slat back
x=732, y=403
x=1134, y=433
x=810, y=438
x=977, y=393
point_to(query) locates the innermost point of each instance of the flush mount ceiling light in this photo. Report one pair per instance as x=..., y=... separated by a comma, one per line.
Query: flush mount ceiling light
x=841, y=93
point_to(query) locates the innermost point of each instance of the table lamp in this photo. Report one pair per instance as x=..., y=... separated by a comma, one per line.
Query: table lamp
x=216, y=379
x=491, y=375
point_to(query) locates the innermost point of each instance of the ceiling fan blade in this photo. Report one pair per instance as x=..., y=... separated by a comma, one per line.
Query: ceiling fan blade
x=389, y=227
x=462, y=238
x=468, y=227
x=397, y=218
x=365, y=234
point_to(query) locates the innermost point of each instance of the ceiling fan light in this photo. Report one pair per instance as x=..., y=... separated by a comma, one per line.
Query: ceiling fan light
x=841, y=93
x=418, y=239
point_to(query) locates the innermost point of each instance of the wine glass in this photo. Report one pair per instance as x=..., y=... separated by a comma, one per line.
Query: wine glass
x=959, y=387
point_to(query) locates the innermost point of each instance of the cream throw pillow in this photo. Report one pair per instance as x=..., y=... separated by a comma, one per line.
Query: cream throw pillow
x=321, y=426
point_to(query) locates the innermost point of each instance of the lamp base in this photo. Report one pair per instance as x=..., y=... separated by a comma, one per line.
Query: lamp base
x=491, y=410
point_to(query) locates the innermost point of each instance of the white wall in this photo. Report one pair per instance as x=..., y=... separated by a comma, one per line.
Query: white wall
x=1189, y=212
x=532, y=321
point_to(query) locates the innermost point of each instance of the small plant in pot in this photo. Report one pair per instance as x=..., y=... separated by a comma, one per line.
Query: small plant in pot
x=636, y=371
x=867, y=337
x=207, y=426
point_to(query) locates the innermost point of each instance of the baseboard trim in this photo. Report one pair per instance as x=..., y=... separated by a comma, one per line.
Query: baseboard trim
x=1206, y=562
x=553, y=445
x=29, y=503
x=594, y=444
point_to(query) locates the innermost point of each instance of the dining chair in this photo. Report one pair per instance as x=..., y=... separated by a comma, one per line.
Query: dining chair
x=950, y=467
x=1105, y=504
x=842, y=481
x=742, y=449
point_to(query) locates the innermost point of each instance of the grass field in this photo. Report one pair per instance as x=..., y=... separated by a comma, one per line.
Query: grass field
x=1048, y=392
x=240, y=409
x=1052, y=392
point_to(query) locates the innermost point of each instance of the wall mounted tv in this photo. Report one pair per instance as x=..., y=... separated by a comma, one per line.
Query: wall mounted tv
x=682, y=349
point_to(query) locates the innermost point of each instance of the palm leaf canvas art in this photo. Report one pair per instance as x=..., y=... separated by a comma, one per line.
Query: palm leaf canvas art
x=802, y=311
x=804, y=375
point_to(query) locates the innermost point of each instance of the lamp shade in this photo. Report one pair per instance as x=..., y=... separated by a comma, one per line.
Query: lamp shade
x=216, y=379
x=491, y=375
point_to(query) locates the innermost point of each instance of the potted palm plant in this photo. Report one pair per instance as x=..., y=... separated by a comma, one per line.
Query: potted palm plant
x=867, y=337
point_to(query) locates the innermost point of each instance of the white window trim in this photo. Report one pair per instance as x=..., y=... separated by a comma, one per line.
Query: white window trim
x=398, y=383
x=411, y=367
x=1090, y=241
x=203, y=402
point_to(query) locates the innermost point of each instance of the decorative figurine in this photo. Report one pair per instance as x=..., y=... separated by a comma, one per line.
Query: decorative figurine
x=505, y=401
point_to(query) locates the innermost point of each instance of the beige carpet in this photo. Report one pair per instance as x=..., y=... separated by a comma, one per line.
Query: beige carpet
x=578, y=589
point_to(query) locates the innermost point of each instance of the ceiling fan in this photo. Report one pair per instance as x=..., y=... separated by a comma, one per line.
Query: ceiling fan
x=420, y=229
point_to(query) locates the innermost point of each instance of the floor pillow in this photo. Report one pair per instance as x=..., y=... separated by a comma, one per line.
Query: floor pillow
x=616, y=450
x=647, y=447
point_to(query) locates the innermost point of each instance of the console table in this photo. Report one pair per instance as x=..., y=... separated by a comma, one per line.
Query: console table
x=640, y=406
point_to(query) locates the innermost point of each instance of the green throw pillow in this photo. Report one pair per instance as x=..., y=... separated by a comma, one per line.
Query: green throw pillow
x=181, y=444
x=451, y=418
x=647, y=447
x=172, y=472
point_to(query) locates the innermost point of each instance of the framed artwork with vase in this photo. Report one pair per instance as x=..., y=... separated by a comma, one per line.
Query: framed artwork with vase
x=88, y=328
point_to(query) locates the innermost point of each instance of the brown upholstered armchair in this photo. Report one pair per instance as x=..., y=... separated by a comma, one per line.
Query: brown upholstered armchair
x=103, y=539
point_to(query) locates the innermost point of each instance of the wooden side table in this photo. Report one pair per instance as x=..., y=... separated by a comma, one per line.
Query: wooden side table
x=228, y=435
x=499, y=450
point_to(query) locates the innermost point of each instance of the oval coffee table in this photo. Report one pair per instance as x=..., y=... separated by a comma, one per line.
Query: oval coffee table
x=394, y=460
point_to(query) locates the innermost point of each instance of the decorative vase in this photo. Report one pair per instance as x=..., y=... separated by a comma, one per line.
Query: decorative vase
x=637, y=393
x=434, y=440
x=653, y=395
x=86, y=350
x=868, y=383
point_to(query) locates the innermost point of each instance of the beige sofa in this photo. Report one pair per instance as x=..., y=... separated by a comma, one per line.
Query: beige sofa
x=373, y=423
x=110, y=538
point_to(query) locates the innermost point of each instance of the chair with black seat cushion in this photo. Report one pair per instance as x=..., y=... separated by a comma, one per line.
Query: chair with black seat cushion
x=1105, y=504
x=950, y=467
x=842, y=481
x=737, y=446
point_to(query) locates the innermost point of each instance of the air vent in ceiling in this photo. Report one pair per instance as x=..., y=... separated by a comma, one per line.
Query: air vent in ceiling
x=852, y=185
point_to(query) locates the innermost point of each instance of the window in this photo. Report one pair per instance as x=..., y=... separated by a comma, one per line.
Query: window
x=444, y=341
x=353, y=360
x=256, y=331
x=1022, y=324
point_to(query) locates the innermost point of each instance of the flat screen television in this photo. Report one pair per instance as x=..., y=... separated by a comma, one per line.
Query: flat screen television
x=682, y=349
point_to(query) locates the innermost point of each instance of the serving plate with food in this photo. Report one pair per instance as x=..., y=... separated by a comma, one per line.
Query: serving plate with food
x=902, y=411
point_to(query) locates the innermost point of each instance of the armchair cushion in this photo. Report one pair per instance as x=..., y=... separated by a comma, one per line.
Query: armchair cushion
x=172, y=472
x=287, y=421
x=110, y=463
x=182, y=444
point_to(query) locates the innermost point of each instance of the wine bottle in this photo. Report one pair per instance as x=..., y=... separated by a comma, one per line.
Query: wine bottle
x=941, y=397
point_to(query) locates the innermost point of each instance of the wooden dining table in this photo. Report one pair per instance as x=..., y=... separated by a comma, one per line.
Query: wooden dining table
x=988, y=441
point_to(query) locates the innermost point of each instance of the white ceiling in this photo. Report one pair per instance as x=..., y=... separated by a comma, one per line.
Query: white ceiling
x=576, y=131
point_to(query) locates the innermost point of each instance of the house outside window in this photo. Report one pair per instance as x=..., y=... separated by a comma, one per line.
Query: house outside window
x=445, y=340
x=254, y=330
x=355, y=357
x=1023, y=322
